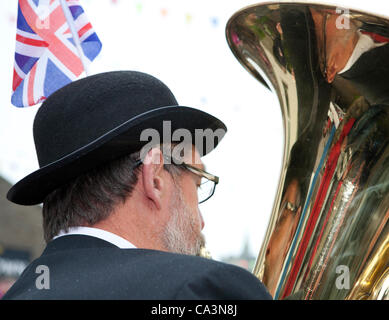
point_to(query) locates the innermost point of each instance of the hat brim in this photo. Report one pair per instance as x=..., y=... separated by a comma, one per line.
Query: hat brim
x=118, y=142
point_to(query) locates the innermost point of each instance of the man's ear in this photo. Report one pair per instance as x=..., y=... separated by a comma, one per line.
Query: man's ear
x=153, y=181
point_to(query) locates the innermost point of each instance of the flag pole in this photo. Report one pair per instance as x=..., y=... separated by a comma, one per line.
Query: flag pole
x=76, y=38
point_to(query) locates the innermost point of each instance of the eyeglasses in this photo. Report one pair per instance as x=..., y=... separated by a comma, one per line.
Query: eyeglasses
x=208, y=182
x=207, y=186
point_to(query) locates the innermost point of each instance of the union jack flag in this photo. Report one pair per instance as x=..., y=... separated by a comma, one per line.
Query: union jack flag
x=46, y=55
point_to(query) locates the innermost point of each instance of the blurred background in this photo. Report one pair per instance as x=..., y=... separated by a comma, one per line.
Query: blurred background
x=181, y=42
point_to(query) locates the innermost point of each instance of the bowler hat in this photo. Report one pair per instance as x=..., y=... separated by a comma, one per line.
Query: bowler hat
x=97, y=119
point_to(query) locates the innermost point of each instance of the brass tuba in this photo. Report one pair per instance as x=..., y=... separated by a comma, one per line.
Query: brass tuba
x=328, y=235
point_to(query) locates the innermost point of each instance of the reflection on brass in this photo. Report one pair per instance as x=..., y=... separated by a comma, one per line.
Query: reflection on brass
x=367, y=286
x=328, y=233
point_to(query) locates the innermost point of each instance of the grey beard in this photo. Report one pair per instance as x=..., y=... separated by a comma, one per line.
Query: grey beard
x=180, y=234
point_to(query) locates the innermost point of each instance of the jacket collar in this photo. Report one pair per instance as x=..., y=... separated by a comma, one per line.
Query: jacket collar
x=73, y=242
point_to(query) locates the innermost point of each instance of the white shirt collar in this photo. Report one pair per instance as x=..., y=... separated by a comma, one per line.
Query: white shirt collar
x=98, y=233
x=365, y=43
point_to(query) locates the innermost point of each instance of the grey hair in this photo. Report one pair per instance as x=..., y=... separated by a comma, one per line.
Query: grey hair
x=93, y=196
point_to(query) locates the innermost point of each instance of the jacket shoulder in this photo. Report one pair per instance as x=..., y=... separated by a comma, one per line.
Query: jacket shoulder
x=209, y=279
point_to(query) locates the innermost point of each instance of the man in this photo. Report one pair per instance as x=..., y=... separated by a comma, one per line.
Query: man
x=122, y=222
x=282, y=236
x=356, y=51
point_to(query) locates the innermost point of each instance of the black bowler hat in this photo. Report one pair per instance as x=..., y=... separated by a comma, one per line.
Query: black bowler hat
x=98, y=119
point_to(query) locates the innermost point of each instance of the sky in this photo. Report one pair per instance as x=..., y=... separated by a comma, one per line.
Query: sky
x=183, y=43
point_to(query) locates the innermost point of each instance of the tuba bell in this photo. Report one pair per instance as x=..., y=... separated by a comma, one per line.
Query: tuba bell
x=328, y=235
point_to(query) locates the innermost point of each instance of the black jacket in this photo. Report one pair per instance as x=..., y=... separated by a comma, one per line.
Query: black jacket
x=84, y=267
x=370, y=74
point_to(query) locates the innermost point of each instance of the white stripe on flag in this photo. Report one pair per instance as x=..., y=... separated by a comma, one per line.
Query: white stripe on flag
x=28, y=35
x=27, y=50
x=40, y=77
x=25, y=89
x=81, y=21
x=86, y=35
x=44, y=8
x=60, y=34
x=73, y=3
x=19, y=71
